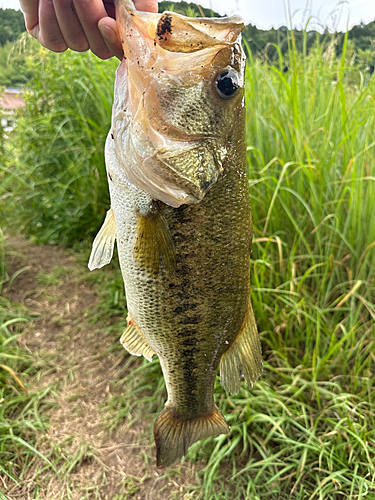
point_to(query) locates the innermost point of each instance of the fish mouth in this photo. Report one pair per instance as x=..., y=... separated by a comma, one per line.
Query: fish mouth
x=177, y=33
x=174, y=32
x=169, y=124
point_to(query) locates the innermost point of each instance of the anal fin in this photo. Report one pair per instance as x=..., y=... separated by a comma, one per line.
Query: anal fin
x=244, y=356
x=102, y=247
x=153, y=241
x=135, y=342
x=173, y=435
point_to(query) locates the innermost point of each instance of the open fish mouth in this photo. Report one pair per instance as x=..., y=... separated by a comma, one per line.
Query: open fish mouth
x=175, y=32
x=177, y=92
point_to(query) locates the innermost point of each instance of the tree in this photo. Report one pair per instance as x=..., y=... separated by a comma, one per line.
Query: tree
x=12, y=24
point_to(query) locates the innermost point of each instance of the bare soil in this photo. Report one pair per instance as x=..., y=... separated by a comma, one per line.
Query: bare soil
x=74, y=356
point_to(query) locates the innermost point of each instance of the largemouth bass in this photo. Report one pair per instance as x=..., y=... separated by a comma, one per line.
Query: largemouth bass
x=180, y=212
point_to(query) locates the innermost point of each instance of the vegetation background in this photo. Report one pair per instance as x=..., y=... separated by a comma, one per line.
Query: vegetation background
x=306, y=429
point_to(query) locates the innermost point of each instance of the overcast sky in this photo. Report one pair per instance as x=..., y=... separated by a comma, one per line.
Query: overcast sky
x=267, y=13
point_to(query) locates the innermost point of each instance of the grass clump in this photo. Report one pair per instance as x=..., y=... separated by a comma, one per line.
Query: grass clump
x=54, y=277
x=56, y=188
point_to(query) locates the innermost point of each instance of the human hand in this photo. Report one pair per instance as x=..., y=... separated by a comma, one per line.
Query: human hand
x=77, y=24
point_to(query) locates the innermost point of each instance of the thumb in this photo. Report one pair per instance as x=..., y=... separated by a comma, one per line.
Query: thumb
x=108, y=29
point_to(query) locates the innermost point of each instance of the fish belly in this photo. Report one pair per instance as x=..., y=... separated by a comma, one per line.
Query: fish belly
x=191, y=316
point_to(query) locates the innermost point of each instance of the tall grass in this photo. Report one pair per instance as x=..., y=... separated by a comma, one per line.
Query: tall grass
x=306, y=429
x=55, y=181
x=311, y=154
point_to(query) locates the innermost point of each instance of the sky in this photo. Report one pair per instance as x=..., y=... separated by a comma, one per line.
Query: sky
x=335, y=14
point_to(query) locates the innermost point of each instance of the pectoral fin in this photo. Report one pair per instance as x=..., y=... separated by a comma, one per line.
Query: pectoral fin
x=102, y=248
x=134, y=341
x=152, y=242
x=244, y=356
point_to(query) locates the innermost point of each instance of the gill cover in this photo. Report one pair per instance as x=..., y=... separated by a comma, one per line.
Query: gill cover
x=169, y=121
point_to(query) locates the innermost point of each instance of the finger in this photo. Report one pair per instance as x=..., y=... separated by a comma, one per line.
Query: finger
x=70, y=26
x=108, y=29
x=146, y=5
x=30, y=12
x=48, y=32
x=89, y=13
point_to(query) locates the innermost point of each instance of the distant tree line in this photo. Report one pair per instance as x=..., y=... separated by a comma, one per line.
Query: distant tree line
x=187, y=9
x=12, y=25
x=361, y=37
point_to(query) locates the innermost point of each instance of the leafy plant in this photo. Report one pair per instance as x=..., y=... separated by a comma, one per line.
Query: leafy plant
x=61, y=195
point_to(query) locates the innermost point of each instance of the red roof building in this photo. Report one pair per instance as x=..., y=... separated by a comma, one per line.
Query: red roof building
x=11, y=99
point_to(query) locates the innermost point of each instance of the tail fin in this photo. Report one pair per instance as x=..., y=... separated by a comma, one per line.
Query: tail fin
x=173, y=436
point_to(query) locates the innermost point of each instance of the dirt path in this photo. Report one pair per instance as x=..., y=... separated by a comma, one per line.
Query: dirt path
x=75, y=358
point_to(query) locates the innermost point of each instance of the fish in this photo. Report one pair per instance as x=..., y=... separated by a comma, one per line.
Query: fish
x=180, y=214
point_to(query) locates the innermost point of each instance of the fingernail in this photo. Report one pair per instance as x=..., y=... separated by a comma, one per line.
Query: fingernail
x=108, y=33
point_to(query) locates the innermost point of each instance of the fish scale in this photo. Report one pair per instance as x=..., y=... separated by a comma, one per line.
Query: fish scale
x=182, y=219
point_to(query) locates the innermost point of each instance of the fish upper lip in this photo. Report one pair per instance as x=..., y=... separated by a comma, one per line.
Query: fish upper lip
x=174, y=32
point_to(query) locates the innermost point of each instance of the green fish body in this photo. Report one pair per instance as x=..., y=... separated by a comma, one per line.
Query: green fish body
x=180, y=212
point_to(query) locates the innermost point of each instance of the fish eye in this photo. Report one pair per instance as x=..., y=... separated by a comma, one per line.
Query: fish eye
x=227, y=84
